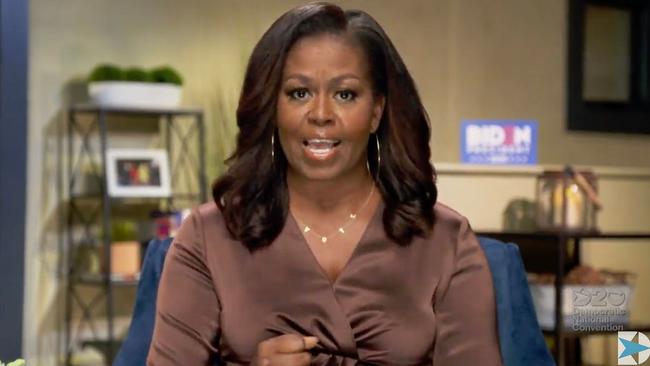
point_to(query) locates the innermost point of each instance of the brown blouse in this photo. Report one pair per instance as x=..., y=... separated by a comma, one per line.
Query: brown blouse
x=429, y=303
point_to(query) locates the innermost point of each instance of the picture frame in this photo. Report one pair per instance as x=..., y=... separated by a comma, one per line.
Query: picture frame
x=138, y=173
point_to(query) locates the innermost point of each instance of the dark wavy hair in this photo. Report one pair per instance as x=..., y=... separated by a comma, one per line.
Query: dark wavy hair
x=253, y=195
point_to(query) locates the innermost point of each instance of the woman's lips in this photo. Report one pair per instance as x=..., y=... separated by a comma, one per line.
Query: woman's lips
x=320, y=149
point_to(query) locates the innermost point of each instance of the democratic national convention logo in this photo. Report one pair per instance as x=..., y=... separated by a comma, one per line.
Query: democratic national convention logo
x=631, y=344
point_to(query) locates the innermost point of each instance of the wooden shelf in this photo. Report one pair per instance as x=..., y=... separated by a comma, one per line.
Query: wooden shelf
x=116, y=280
x=570, y=333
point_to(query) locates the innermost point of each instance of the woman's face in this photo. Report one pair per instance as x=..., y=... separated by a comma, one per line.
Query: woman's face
x=326, y=108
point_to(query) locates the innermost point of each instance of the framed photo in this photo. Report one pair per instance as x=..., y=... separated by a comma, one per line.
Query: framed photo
x=138, y=173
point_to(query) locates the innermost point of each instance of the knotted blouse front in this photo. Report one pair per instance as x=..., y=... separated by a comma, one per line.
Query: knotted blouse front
x=428, y=303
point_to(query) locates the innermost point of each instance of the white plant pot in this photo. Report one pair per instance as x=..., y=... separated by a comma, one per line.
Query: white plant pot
x=130, y=94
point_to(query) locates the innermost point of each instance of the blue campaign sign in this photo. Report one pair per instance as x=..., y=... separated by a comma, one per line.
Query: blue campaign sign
x=499, y=142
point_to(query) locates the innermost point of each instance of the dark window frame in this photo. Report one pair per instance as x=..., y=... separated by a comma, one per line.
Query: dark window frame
x=14, y=19
x=622, y=117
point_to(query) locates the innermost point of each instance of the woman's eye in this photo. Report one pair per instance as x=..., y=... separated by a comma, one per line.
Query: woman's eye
x=346, y=95
x=298, y=94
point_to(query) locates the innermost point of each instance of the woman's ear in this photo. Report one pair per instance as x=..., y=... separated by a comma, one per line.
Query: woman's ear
x=377, y=112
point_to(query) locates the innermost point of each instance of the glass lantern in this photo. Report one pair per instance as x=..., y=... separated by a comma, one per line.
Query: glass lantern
x=563, y=205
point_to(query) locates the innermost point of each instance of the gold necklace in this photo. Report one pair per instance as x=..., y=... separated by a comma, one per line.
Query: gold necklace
x=341, y=230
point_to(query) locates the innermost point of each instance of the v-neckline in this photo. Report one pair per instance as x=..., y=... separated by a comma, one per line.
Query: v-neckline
x=375, y=215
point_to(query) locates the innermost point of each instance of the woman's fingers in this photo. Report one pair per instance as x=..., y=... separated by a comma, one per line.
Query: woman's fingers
x=288, y=343
x=309, y=342
x=289, y=359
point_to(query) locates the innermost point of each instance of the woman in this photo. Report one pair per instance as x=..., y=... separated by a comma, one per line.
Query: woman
x=324, y=244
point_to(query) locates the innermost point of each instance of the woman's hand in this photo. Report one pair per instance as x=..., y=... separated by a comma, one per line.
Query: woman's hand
x=285, y=350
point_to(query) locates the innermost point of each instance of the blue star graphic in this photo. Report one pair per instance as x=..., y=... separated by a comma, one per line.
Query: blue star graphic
x=631, y=348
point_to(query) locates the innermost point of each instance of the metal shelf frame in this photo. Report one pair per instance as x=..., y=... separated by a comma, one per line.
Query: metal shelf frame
x=88, y=212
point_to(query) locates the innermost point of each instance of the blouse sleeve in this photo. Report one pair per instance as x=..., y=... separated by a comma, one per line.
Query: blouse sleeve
x=187, y=309
x=465, y=308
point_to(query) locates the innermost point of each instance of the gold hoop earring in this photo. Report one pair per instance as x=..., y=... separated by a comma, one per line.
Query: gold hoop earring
x=378, y=152
x=378, y=156
x=273, y=147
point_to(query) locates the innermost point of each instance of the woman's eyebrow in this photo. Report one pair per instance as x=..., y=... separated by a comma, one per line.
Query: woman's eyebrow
x=340, y=78
x=303, y=78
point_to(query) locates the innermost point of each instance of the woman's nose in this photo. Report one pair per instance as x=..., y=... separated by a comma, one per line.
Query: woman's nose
x=321, y=111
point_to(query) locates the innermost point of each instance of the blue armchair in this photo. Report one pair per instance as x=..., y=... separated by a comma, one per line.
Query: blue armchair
x=136, y=344
x=520, y=337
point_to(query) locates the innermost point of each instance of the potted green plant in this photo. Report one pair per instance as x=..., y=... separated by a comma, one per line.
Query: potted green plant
x=113, y=86
x=18, y=362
